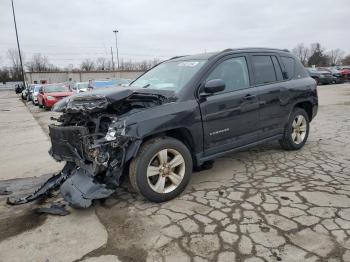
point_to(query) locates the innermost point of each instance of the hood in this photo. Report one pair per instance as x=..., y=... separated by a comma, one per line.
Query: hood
x=101, y=99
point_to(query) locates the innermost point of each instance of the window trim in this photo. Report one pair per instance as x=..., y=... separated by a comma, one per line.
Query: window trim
x=218, y=62
x=274, y=66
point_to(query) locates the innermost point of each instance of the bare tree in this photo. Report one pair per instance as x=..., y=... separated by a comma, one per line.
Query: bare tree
x=103, y=64
x=4, y=75
x=335, y=56
x=87, y=65
x=302, y=52
x=15, y=68
x=143, y=65
x=346, y=60
x=40, y=63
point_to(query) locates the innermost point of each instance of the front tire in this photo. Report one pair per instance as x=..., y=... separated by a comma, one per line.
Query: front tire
x=161, y=170
x=296, y=131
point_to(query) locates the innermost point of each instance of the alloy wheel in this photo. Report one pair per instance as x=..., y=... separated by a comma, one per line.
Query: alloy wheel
x=299, y=128
x=166, y=170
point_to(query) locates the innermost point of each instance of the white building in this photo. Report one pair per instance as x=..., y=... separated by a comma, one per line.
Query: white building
x=77, y=76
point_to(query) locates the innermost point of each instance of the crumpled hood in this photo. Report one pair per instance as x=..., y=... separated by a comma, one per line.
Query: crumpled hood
x=100, y=99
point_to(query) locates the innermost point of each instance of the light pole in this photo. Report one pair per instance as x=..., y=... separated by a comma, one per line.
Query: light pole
x=116, y=45
x=19, y=50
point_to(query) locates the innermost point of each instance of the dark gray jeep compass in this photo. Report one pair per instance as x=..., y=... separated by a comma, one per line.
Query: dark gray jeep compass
x=174, y=117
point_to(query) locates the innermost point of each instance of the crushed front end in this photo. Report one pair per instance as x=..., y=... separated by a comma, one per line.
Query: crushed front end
x=92, y=136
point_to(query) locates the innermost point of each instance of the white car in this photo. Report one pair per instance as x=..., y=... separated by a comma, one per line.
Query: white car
x=35, y=94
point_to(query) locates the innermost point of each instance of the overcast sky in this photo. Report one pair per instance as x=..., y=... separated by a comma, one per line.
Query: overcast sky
x=67, y=31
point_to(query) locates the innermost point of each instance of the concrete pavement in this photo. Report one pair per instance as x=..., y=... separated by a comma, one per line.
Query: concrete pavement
x=23, y=144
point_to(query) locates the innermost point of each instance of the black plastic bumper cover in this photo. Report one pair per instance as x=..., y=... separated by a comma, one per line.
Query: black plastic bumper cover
x=81, y=188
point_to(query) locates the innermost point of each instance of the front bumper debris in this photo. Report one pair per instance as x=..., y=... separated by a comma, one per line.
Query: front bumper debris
x=77, y=186
x=81, y=188
x=45, y=190
x=93, y=166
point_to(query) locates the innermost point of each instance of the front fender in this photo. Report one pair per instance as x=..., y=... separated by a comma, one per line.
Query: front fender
x=167, y=117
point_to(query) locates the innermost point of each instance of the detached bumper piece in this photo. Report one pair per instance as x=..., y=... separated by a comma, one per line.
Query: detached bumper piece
x=44, y=191
x=81, y=188
x=77, y=186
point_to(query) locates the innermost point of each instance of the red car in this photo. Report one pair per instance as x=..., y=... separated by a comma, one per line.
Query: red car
x=51, y=94
x=345, y=72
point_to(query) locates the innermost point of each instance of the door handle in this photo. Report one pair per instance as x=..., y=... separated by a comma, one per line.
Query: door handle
x=249, y=97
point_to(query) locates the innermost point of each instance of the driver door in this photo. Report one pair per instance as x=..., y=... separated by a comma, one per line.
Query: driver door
x=230, y=118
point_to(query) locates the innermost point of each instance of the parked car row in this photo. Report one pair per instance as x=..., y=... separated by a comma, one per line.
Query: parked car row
x=329, y=75
x=46, y=95
x=79, y=87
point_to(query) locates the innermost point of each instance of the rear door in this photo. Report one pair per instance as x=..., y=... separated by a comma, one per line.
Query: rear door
x=273, y=93
x=230, y=118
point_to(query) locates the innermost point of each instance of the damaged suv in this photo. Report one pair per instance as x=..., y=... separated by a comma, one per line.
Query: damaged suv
x=176, y=116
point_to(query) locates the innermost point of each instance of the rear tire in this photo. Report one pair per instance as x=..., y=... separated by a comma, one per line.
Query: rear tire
x=296, y=131
x=161, y=170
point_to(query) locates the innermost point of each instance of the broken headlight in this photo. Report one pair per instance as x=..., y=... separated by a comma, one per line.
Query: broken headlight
x=110, y=136
x=116, y=129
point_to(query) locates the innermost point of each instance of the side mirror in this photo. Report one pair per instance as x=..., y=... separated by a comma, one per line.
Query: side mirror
x=213, y=86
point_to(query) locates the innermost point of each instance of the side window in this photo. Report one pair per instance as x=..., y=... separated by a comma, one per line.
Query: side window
x=300, y=71
x=234, y=72
x=264, y=71
x=278, y=69
x=289, y=66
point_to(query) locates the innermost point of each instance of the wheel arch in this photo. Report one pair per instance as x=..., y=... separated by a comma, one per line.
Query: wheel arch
x=181, y=133
x=307, y=106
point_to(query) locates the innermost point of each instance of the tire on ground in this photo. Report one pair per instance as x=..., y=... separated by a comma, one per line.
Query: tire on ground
x=138, y=168
x=287, y=142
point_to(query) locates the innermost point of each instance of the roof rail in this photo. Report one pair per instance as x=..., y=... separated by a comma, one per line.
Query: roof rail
x=226, y=50
x=253, y=48
x=176, y=57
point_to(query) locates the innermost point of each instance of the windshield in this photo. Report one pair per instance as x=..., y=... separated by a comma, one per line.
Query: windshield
x=54, y=89
x=171, y=75
x=121, y=81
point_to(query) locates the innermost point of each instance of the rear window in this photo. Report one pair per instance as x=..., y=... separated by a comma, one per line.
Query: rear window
x=300, y=71
x=54, y=89
x=264, y=71
x=289, y=66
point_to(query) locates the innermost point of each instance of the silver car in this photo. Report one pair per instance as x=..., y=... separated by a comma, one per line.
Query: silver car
x=34, y=92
